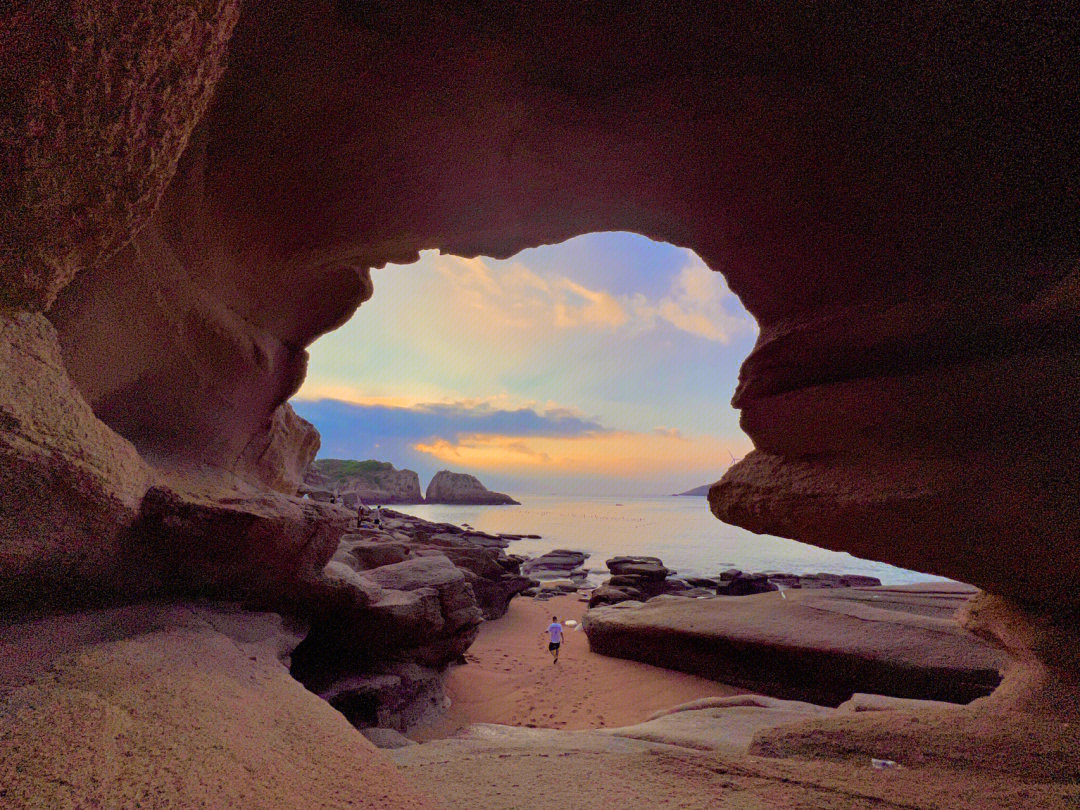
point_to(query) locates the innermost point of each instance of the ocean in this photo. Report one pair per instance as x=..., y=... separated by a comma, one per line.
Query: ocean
x=679, y=530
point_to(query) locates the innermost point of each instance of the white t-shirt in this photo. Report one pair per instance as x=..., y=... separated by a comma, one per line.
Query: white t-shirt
x=556, y=633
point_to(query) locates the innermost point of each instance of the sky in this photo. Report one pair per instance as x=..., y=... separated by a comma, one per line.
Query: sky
x=604, y=365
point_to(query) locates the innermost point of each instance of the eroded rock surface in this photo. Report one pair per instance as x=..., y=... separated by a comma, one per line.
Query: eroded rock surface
x=175, y=705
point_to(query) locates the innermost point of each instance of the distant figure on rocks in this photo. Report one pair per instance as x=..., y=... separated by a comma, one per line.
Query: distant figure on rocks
x=378, y=517
x=555, y=631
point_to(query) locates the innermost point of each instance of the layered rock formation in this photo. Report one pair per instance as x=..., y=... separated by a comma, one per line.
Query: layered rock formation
x=364, y=482
x=814, y=646
x=396, y=604
x=462, y=488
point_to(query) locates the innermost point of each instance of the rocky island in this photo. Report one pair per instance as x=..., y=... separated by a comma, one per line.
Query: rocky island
x=461, y=488
x=362, y=482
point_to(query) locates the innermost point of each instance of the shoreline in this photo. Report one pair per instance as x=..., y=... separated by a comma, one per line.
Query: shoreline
x=510, y=680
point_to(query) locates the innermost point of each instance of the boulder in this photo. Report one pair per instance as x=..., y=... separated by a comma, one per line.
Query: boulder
x=554, y=564
x=279, y=455
x=610, y=595
x=70, y=487
x=820, y=581
x=422, y=611
x=701, y=582
x=267, y=548
x=698, y=593
x=648, y=567
x=450, y=487
x=746, y=584
x=787, y=580
x=675, y=586
x=859, y=581
x=362, y=553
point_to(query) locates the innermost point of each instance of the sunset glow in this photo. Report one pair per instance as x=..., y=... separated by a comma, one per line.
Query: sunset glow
x=548, y=371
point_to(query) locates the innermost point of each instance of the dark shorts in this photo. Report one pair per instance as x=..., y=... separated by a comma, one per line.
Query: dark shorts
x=553, y=646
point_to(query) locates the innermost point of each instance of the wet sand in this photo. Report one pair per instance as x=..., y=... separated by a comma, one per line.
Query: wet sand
x=510, y=678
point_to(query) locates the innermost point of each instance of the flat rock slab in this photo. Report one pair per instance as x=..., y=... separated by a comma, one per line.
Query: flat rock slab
x=726, y=725
x=817, y=646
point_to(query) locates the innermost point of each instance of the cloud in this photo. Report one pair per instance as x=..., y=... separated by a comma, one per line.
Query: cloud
x=698, y=301
x=391, y=432
x=612, y=454
x=530, y=443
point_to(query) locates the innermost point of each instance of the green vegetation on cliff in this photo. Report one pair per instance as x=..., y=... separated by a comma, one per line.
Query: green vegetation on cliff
x=337, y=470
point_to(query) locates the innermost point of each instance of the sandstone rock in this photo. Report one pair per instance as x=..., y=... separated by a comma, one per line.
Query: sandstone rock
x=815, y=646
x=75, y=192
x=366, y=482
x=701, y=582
x=746, y=584
x=69, y=486
x=859, y=581
x=103, y=706
x=920, y=338
x=387, y=738
x=396, y=697
x=648, y=567
x=450, y=487
x=279, y=455
x=267, y=548
x=610, y=595
x=554, y=564
x=788, y=580
x=422, y=610
x=727, y=725
x=912, y=391
x=363, y=553
x=698, y=593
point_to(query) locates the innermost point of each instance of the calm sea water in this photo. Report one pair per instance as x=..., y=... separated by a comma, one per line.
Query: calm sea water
x=679, y=530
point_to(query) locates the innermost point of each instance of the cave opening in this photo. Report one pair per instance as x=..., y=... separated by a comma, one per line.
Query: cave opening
x=590, y=379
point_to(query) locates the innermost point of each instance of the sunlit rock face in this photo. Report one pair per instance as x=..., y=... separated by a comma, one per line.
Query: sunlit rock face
x=891, y=192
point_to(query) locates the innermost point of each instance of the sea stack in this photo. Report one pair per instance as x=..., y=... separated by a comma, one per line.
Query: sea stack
x=462, y=488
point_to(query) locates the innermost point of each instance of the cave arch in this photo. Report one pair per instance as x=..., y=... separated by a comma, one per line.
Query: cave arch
x=890, y=202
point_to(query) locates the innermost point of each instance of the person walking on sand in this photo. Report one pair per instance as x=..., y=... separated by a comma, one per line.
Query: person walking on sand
x=555, y=633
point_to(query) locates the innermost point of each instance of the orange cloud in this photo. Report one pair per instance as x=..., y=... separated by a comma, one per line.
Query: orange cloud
x=620, y=454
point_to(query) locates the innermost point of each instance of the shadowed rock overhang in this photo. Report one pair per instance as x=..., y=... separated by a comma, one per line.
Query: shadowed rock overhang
x=890, y=190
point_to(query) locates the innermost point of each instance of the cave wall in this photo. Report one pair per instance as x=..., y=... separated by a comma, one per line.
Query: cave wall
x=890, y=190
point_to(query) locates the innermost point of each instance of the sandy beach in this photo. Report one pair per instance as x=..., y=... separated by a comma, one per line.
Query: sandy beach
x=510, y=678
